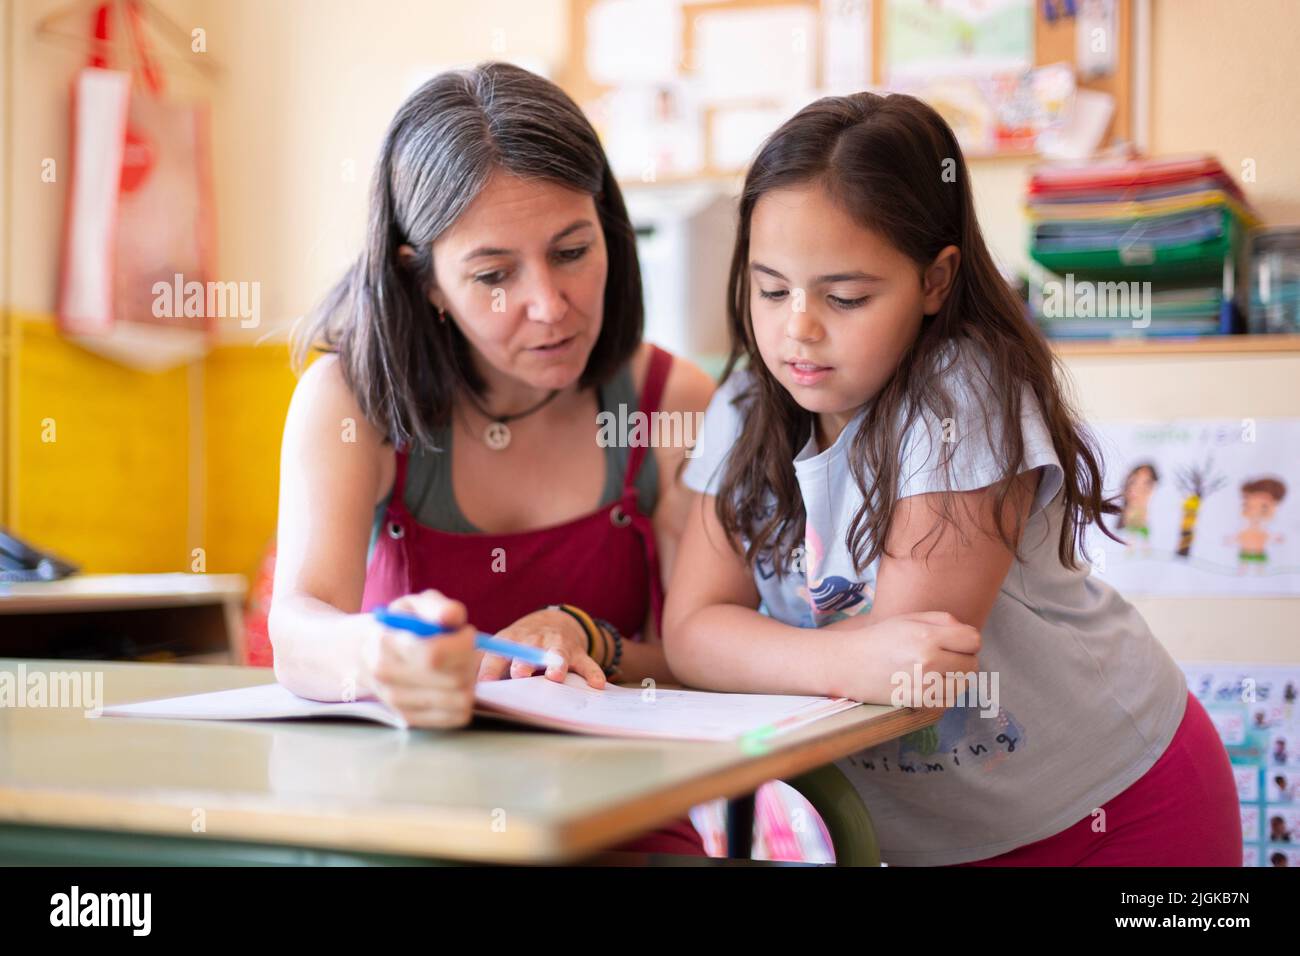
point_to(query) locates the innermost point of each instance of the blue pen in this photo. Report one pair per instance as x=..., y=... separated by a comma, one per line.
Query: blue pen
x=536, y=656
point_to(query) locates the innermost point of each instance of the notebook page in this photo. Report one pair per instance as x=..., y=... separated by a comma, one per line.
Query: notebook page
x=261, y=702
x=646, y=712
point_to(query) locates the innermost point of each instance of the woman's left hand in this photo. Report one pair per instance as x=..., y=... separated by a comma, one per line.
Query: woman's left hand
x=554, y=631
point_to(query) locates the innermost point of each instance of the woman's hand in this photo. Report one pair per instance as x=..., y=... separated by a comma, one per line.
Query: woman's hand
x=885, y=654
x=429, y=681
x=555, y=631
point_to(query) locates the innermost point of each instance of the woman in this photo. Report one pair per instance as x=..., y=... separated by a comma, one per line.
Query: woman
x=450, y=442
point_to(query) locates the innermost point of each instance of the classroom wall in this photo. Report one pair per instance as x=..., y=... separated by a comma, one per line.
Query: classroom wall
x=304, y=106
x=1125, y=388
x=111, y=491
x=1224, y=80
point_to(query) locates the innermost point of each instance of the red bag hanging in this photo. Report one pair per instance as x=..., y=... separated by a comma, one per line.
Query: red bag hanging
x=138, y=233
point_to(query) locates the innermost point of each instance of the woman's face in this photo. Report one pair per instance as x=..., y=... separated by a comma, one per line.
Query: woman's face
x=522, y=274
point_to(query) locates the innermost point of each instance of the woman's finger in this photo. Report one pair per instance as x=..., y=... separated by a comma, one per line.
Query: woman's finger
x=433, y=606
x=585, y=667
x=493, y=667
x=420, y=678
x=455, y=652
x=521, y=669
x=440, y=719
x=419, y=699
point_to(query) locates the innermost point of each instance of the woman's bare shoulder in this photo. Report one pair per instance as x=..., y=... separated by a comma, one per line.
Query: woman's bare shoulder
x=328, y=426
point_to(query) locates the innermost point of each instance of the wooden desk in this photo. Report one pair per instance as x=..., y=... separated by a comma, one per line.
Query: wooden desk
x=489, y=793
x=92, y=615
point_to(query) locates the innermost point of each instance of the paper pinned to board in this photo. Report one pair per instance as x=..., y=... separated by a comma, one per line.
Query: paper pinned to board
x=756, y=54
x=846, y=46
x=633, y=41
x=572, y=706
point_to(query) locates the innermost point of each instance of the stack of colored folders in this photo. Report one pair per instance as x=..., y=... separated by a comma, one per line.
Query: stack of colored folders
x=1177, y=223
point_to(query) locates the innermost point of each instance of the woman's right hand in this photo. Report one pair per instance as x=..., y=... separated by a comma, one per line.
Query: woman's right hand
x=884, y=654
x=430, y=682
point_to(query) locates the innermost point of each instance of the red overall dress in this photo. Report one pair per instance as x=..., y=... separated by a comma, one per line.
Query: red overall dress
x=604, y=562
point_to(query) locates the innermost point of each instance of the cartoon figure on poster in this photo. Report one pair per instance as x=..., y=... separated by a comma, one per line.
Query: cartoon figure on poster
x=1133, y=519
x=1202, y=507
x=1260, y=498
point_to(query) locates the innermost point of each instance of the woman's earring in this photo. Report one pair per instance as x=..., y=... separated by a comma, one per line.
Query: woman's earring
x=442, y=316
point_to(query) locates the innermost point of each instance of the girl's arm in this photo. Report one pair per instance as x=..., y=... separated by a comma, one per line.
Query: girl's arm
x=686, y=393
x=961, y=577
x=716, y=638
x=965, y=570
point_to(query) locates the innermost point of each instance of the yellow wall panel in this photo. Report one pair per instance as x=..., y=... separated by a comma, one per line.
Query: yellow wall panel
x=110, y=491
x=246, y=395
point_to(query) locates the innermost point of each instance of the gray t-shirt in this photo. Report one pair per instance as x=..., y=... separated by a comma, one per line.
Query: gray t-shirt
x=1088, y=699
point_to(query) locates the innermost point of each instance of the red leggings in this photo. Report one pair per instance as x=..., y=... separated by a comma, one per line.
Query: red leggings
x=1184, y=811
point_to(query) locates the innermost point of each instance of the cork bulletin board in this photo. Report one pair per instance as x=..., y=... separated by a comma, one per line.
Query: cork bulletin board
x=824, y=33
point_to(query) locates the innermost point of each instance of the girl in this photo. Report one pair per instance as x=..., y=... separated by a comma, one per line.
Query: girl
x=898, y=467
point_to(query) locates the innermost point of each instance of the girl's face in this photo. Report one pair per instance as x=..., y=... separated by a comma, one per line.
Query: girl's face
x=522, y=274
x=833, y=304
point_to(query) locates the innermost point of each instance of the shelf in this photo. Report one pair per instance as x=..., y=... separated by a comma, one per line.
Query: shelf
x=1210, y=345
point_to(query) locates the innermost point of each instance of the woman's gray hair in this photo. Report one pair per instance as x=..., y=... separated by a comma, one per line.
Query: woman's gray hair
x=441, y=148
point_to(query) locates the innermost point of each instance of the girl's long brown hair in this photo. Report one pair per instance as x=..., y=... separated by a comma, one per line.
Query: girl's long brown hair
x=896, y=168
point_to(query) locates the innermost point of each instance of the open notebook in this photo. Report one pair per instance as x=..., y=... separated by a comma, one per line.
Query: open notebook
x=571, y=706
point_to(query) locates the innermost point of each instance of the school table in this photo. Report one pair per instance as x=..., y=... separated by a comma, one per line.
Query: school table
x=80, y=790
x=99, y=615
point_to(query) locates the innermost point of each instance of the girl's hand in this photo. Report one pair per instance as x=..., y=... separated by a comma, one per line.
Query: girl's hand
x=935, y=640
x=555, y=631
x=429, y=681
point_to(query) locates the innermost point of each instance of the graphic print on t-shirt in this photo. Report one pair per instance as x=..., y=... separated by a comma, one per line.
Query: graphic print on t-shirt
x=961, y=739
x=834, y=597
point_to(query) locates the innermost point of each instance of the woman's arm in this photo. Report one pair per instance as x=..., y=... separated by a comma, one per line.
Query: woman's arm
x=716, y=638
x=331, y=469
x=329, y=476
